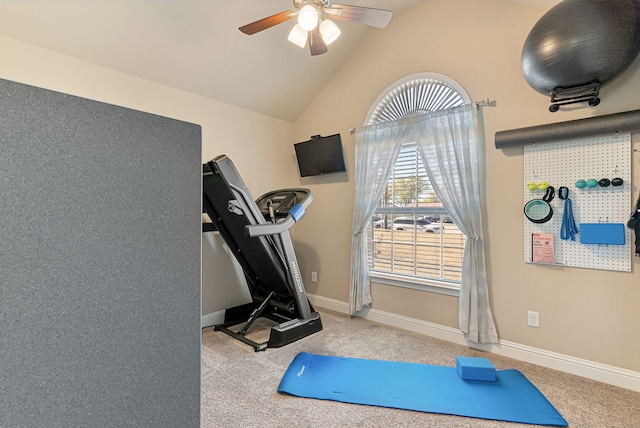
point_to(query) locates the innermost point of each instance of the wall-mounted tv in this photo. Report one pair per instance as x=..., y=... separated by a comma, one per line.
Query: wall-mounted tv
x=320, y=156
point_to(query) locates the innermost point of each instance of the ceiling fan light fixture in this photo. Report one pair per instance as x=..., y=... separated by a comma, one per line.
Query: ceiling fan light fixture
x=298, y=36
x=315, y=25
x=308, y=17
x=329, y=31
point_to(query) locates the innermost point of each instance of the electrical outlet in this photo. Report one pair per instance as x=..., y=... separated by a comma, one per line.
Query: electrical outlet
x=314, y=276
x=533, y=319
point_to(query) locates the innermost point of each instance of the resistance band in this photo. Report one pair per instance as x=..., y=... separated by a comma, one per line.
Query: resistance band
x=569, y=228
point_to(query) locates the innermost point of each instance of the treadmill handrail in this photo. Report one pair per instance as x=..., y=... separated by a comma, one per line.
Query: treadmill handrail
x=257, y=216
x=295, y=214
x=265, y=229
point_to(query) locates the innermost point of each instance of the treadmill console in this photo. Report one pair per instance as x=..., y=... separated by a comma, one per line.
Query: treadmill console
x=279, y=202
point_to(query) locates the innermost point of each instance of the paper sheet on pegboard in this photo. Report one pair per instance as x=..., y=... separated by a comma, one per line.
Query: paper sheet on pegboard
x=562, y=164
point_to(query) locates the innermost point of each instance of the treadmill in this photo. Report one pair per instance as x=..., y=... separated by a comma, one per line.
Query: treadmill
x=257, y=233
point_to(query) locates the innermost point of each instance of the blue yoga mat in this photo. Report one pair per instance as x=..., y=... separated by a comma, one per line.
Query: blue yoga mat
x=419, y=387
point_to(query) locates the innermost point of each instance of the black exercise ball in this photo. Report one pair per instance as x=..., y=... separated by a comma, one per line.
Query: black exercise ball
x=579, y=42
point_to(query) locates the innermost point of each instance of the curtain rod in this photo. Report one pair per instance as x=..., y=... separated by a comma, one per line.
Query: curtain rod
x=481, y=103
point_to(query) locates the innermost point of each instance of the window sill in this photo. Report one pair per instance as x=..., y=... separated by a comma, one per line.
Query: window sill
x=431, y=286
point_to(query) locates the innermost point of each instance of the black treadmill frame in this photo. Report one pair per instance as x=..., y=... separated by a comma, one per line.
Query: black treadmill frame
x=265, y=252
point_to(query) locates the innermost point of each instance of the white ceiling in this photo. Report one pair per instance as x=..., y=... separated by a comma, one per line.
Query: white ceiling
x=194, y=45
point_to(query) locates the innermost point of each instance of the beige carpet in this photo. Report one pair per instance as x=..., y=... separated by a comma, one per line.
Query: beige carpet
x=239, y=386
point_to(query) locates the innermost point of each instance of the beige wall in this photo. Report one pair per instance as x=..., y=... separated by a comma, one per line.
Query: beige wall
x=253, y=141
x=584, y=313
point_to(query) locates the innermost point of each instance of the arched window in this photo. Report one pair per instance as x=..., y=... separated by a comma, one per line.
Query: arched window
x=417, y=93
x=412, y=239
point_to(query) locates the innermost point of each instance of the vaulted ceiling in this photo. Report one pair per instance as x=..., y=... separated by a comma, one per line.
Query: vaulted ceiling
x=195, y=45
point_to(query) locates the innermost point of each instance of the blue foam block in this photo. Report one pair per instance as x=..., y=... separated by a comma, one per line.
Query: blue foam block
x=602, y=233
x=472, y=368
x=419, y=387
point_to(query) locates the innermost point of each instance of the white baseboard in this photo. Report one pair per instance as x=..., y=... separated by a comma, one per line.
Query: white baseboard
x=589, y=369
x=213, y=318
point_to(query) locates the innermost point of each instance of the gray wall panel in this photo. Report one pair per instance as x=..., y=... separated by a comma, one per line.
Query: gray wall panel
x=100, y=237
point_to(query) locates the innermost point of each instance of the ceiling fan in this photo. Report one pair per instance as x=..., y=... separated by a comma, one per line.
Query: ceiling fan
x=314, y=25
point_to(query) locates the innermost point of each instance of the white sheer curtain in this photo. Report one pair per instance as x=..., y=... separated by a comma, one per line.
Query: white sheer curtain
x=376, y=152
x=448, y=142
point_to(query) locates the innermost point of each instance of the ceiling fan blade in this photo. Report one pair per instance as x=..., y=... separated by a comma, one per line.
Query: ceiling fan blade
x=316, y=44
x=362, y=15
x=268, y=22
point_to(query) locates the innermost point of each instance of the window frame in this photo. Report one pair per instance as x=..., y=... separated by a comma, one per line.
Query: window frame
x=434, y=285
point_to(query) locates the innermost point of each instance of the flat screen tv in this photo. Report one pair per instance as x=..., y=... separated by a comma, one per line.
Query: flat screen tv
x=320, y=156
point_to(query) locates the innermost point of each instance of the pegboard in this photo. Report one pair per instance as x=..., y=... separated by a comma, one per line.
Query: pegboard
x=562, y=164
